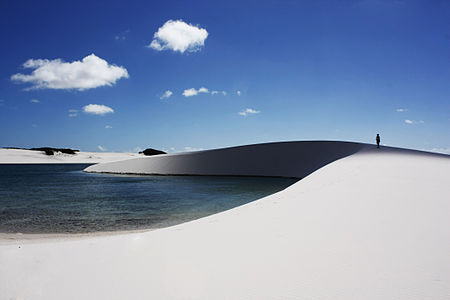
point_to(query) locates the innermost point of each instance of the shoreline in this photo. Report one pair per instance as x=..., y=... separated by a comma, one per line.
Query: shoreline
x=11, y=238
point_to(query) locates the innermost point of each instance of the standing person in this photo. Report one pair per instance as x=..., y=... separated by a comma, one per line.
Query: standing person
x=378, y=140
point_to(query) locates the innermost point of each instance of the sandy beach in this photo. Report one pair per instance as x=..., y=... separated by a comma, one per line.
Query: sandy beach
x=368, y=224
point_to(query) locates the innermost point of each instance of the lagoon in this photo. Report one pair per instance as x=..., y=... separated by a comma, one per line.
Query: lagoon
x=61, y=198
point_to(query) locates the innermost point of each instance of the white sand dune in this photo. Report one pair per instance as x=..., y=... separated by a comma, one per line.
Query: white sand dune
x=19, y=156
x=374, y=224
x=287, y=159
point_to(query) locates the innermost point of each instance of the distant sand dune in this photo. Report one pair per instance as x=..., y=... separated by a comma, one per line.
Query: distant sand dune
x=365, y=223
x=20, y=156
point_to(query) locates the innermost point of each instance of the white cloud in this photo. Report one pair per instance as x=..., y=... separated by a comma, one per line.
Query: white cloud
x=179, y=36
x=90, y=72
x=401, y=109
x=34, y=101
x=248, y=111
x=103, y=149
x=73, y=113
x=440, y=150
x=166, y=94
x=190, y=92
x=238, y=93
x=97, y=109
x=413, y=122
x=217, y=92
x=189, y=149
x=108, y=127
x=193, y=92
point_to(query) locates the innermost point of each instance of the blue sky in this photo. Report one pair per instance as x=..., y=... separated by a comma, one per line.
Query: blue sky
x=291, y=70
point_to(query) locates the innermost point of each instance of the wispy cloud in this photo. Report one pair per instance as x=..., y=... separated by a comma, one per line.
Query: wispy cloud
x=90, y=72
x=103, y=149
x=73, y=113
x=248, y=111
x=218, y=92
x=34, y=101
x=190, y=149
x=108, y=127
x=193, y=92
x=97, y=109
x=179, y=36
x=166, y=94
x=183, y=149
x=439, y=150
x=238, y=93
x=401, y=109
x=121, y=36
x=413, y=122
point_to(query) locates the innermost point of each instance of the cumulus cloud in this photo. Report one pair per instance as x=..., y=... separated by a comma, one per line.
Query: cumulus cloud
x=34, y=101
x=90, y=72
x=108, y=127
x=97, y=109
x=248, y=111
x=179, y=36
x=193, y=92
x=238, y=93
x=101, y=148
x=73, y=113
x=401, y=109
x=413, y=122
x=166, y=94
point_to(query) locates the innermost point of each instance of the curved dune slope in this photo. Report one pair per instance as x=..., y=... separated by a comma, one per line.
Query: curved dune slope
x=285, y=159
x=372, y=225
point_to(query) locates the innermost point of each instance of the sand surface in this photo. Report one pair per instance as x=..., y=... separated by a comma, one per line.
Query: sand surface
x=372, y=225
x=17, y=156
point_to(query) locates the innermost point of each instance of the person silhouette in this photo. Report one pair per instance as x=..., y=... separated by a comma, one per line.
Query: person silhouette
x=378, y=140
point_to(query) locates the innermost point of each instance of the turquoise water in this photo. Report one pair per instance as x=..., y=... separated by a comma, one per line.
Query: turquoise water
x=62, y=199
